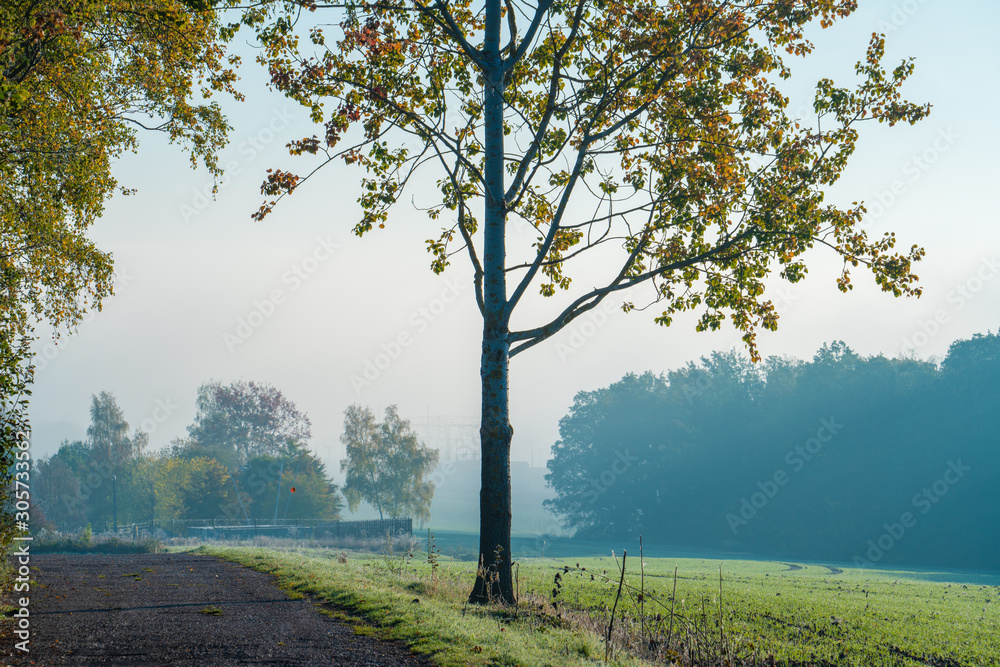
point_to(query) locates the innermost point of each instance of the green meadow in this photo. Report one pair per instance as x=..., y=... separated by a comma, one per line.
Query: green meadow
x=758, y=613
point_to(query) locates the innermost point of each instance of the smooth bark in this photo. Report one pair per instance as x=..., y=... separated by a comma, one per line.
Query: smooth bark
x=494, y=580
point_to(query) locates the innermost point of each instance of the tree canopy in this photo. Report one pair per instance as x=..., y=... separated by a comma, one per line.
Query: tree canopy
x=654, y=133
x=239, y=421
x=78, y=80
x=108, y=436
x=664, y=118
x=268, y=481
x=386, y=464
x=789, y=458
x=195, y=478
x=74, y=486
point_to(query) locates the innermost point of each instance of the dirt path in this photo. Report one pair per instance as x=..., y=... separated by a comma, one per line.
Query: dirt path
x=165, y=609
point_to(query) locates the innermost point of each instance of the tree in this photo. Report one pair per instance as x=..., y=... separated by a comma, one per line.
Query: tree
x=829, y=454
x=107, y=435
x=58, y=492
x=192, y=488
x=75, y=484
x=16, y=374
x=77, y=81
x=267, y=479
x=237, y=422
x=386, y=464
x=655, y=134
x=969, y=379
x=602, y=464
x=137, y=488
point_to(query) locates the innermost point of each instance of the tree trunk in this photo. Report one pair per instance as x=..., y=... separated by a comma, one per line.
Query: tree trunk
x=494, y=580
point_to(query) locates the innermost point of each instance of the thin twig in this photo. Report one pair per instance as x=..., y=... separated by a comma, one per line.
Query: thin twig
x=611, y=623
x=642, y=595
x=673, y=601
x=722, y=641
x=517, y=587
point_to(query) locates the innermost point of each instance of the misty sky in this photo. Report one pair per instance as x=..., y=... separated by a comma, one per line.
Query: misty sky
x=319, y=306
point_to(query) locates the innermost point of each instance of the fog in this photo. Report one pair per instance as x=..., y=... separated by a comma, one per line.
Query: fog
x=297, y=301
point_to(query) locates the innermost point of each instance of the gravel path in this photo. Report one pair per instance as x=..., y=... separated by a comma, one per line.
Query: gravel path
x=167, y=609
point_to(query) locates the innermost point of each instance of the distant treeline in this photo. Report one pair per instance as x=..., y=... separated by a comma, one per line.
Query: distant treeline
x=847, y=458
x=245, y=459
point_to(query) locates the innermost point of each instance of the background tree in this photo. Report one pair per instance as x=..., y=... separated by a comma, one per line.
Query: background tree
x=193, y=488
x=58, y=492
x=137, y=488
x=858, y=441
x=386, y=464
x=654, y=131
x=242, y=420
x=603, y=456
x=110, y=450
x=315, y=496
x=196, y=478
x=75, y=485
x=107, y=435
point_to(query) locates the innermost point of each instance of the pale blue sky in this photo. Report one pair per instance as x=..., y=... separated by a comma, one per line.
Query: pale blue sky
x=191, y=267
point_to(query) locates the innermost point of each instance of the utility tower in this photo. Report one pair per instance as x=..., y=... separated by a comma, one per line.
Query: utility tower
x=456, y=438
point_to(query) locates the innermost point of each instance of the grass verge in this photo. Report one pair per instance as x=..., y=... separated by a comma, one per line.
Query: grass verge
x=430, y=615
x=76, y=544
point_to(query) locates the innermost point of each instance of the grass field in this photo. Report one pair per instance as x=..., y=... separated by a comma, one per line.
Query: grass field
x=811, y=614
x=793, y=614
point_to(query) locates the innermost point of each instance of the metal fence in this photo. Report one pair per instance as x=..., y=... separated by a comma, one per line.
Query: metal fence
x=293, y=528
x=364, y=530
